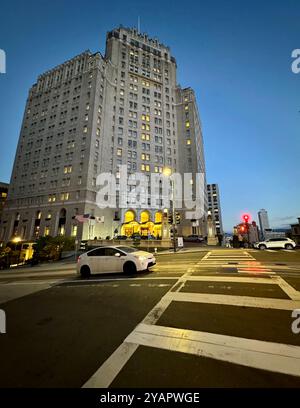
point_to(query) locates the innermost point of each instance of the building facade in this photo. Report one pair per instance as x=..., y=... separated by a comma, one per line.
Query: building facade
x=3, y=196
x=263, y=219
x=214, y=206
x=92, y=115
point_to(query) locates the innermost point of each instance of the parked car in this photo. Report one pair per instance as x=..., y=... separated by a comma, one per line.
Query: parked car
x=114, y=259
x=136, y=236
x=121, y=237
x=275, y=243
x=193, y=238
x=150, y=236
x=4, y=262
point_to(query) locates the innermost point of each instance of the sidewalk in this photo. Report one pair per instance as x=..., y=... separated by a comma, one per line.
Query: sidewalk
x=37, y=269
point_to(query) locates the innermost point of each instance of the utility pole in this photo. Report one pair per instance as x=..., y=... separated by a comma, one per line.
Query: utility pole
x=173, y=214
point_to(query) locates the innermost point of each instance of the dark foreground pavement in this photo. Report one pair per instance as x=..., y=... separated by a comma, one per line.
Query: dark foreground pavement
x=198, y=320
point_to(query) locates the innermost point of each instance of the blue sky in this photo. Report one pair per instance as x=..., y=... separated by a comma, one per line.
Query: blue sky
x=237, y=57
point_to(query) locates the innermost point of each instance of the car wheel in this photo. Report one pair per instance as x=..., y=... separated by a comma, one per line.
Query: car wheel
x=262, y=247
x=129, y=268
x=289, y=246
x=85, y=271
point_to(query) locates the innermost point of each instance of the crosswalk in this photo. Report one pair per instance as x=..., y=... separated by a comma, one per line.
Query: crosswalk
x=155, y=333
x=241, y=260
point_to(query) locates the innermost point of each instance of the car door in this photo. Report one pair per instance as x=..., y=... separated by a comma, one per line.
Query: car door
x=97, y=260
x=272, y=243
x=114, y=263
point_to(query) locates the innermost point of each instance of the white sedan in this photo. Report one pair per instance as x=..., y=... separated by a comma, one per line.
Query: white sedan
x=114, y=259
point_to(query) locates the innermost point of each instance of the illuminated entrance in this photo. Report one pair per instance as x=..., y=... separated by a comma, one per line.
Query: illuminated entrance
x=130, y=225
x=145, y=226
x=157, y=228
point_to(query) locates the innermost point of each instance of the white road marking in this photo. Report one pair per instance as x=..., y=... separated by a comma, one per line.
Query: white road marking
x=107, y=372
x=288, y=289
x=237, y=279
x=274, y=357
x=104, y=376
x=248, y=301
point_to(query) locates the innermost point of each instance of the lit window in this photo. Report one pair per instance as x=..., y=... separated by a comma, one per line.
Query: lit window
x=46, y=231
x=119, y=152
x=187, y=124
x=74, y=231
x=188, y=142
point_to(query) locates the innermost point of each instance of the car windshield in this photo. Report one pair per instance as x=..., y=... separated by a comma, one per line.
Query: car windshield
x=126, y=249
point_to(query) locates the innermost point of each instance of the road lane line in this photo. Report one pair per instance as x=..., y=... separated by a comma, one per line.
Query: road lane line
x=107, y=372
x=104, y=376
x=288, y=289
x=274, y=357
x=230, y=279
x=264, y=303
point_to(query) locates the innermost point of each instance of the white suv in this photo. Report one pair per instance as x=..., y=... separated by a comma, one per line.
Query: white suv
x=276, y=243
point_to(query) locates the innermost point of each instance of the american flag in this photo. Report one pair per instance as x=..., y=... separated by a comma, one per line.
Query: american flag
x=87, y=217
x=82, y=218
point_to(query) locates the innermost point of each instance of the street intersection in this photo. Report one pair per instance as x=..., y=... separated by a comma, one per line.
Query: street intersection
x=201, y=318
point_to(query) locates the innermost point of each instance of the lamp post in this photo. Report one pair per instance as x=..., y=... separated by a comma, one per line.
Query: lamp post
x=167, y=171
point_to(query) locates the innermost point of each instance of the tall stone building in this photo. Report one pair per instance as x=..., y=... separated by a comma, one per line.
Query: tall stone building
x=94, y=114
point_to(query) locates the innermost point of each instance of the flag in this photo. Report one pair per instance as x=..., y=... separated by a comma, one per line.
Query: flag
x=82, y=218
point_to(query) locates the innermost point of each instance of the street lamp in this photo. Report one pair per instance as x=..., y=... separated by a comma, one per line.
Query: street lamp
x=167, y=171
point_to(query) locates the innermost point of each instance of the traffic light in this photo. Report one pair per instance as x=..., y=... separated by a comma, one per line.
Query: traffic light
x=246, y=218
x=170, y=219
x=83, y=245
x=177, y=218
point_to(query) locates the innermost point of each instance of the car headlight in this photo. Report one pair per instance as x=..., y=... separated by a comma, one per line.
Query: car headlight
x=142, y=258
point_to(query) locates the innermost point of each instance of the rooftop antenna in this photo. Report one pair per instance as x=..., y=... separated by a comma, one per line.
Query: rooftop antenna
x=139, y=25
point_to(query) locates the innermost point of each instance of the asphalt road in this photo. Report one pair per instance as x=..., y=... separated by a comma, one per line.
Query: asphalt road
x=221, y=318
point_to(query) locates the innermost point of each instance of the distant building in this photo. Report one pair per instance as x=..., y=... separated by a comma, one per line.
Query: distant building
x=3, y=195
x=269, y=233
x=296, y=232
x=214, y=206
x=263, y=221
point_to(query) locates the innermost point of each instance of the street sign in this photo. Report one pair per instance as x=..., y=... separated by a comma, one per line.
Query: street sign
x=180, y=242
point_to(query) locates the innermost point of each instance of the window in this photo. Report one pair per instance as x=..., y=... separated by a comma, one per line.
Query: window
x=74, y=231
x=67, y=169
x=64, y=196
x=119, y=152
x=187, y=124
